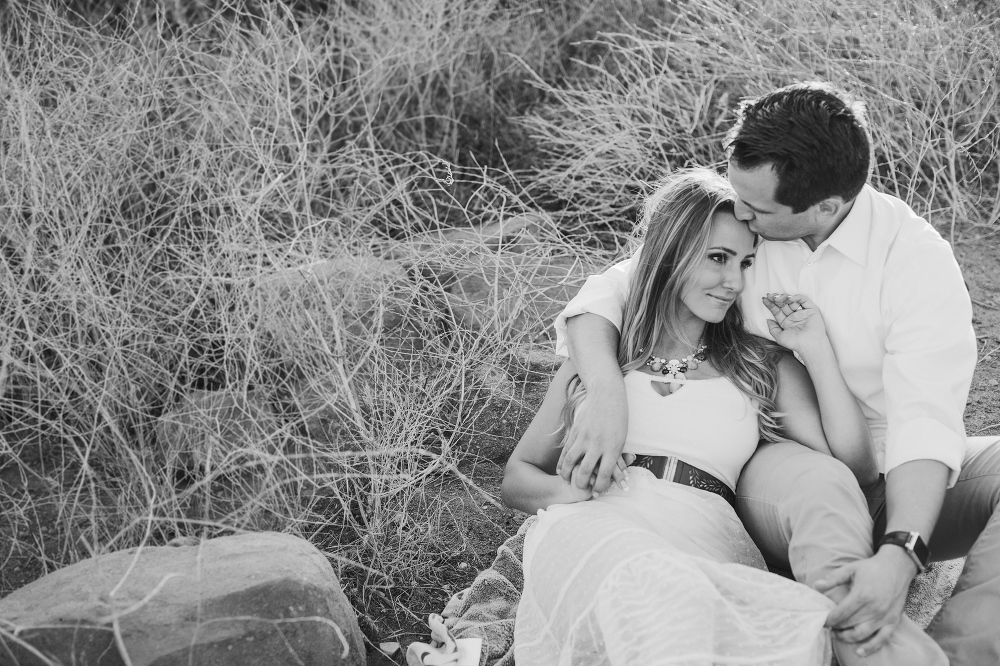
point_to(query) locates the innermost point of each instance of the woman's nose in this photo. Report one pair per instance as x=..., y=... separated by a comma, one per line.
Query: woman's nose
x=733, y=278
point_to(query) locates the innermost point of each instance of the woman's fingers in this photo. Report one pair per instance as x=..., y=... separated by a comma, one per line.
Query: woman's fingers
x=794, y=302
x=774, y=327
x=875, y=642
x=774, y=309
x=859, y=633
x=784, y=308
x=790, y=308
x=620, y=476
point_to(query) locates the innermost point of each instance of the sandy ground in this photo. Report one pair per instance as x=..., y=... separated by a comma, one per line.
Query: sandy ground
x=979, y=258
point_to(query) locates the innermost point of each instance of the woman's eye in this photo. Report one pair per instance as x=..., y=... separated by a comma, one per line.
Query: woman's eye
x=746, y=263
x=719, y=258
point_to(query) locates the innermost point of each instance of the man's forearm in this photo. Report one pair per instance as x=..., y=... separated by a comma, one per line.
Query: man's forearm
x=914, y=492
x=600, y=426
x=593, y=347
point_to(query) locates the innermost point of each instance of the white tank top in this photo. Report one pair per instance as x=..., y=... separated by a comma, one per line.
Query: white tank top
x=708, y=423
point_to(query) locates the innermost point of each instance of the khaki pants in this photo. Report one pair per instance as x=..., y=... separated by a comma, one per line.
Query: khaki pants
x=806, y=513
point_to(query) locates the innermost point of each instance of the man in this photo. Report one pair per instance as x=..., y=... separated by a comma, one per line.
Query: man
x=899, y=319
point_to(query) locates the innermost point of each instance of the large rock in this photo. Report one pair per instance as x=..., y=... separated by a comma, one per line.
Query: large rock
x=516, y=233
x=512, y=276
x=254, y=599
x=368, y=298
x=517, y=294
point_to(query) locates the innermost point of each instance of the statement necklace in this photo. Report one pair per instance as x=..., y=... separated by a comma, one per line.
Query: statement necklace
x=675, y=369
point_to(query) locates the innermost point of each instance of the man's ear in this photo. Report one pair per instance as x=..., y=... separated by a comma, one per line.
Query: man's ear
x=829, y=208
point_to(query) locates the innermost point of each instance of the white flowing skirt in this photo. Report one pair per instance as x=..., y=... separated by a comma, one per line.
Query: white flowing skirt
x=660, y=574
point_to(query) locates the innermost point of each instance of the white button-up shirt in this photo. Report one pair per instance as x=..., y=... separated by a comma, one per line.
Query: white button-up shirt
x=897, y=312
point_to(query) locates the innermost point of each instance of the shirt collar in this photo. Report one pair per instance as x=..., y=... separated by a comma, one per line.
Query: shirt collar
x=851, y=237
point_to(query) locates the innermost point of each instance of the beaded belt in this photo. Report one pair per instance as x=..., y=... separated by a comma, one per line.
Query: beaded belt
x=669, y=468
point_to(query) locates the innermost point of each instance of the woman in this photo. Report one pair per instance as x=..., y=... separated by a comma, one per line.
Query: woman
x=659, y=569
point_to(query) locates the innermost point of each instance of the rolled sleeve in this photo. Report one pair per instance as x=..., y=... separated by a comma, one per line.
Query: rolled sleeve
x=930, y=357
x=602, y=295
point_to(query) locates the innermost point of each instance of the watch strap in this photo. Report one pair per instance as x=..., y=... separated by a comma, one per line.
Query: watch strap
x=912, y=543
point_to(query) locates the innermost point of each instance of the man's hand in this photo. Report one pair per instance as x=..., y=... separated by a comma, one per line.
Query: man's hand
x=874, y=605
x=592, y=455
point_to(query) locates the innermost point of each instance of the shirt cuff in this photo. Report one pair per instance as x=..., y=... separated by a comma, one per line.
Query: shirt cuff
x=599, y=296
x=926, y=439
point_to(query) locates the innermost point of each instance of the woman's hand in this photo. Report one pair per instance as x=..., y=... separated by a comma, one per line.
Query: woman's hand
x=571, y=492
x=797, y=324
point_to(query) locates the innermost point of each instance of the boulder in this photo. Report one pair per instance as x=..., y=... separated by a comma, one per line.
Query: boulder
x=517, y=294
x=253, y=599
x=534, y=360
x=361, y=295
x=516, y=233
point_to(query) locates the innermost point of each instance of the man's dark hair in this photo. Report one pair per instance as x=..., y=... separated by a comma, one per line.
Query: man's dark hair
x=814, y=136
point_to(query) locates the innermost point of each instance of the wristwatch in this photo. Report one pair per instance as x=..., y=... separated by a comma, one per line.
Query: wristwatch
x=912, y=544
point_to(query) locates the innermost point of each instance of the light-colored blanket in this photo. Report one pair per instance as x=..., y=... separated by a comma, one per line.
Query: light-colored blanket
x=488, y=607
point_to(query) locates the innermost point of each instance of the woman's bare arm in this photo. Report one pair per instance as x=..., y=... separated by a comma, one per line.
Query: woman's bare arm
x=820, y=410
x=530, y=481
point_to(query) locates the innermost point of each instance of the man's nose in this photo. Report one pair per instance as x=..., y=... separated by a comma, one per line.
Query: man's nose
x=743, y=212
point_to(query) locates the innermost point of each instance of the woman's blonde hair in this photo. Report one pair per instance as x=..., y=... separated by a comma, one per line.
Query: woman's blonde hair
x=677, y=221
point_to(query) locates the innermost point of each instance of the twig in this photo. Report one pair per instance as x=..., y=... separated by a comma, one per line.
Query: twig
x=276, y=621
x=13, y=636
x=145, y=600
x=991, y=352
x=454, y=469
x=984, y=304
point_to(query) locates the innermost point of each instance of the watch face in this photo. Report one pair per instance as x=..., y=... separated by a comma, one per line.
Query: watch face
x=917, y=546
x=912, y=544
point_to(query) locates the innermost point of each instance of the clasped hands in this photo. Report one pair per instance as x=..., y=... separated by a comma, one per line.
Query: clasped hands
x=591, y=459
